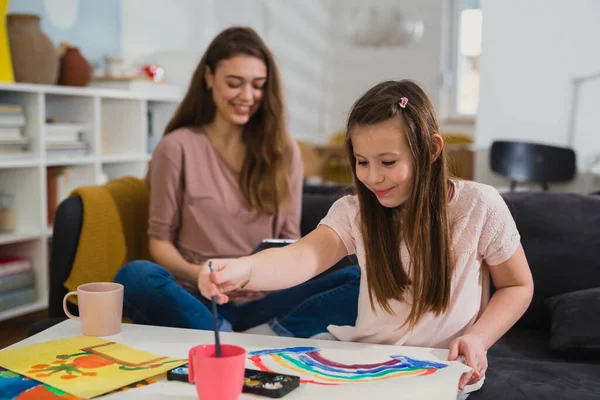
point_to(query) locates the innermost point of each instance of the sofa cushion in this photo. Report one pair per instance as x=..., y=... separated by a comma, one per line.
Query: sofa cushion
x=521, y=379
x=526, y=343
x=560, y=233
x=316, y=201
x=522, y=366
x=534, y=344
x=575, y=320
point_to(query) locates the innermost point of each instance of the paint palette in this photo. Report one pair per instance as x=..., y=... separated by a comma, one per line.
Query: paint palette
x=263, y=383
x=269, y=384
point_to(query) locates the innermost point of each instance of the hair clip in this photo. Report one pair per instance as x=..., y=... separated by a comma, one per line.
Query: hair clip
x=403, y=102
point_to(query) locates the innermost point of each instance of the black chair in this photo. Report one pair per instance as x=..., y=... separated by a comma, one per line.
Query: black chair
x=523, y=162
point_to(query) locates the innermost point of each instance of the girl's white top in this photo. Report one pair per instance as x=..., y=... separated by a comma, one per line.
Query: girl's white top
x=484, y=234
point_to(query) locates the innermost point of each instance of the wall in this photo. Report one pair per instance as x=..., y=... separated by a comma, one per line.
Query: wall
x=321, y=76
x=151, y=26
x=93, y=26
x=296, y=32
x=354, y=70
x=299, y=38
x=531, y=52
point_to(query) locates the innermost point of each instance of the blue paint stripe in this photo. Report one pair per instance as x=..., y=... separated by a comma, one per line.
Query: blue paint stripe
x=420, y=363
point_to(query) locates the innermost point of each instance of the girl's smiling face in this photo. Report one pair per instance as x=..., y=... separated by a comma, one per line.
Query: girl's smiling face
x=384, y=162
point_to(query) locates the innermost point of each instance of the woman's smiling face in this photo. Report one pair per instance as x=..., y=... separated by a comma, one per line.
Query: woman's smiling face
x=237, y=87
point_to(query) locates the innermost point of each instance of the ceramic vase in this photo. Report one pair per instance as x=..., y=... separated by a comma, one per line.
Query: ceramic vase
x=34, y=57
x=74, y=68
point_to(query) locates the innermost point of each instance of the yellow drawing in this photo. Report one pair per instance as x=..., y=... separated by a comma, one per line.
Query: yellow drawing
x=85, y=366
x=6, y=71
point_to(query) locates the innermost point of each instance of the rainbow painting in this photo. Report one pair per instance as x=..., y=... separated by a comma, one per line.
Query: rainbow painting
x=314, y=368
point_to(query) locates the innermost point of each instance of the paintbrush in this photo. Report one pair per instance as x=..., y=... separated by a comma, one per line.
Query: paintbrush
x=215, y=321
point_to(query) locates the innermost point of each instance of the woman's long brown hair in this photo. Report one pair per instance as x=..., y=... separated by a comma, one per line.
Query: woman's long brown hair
x=264, y=177
x=421, y=222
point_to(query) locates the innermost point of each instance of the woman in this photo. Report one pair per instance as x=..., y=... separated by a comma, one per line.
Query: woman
x=224, y=177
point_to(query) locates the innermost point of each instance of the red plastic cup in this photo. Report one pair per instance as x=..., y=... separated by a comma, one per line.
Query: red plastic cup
x=217, y=378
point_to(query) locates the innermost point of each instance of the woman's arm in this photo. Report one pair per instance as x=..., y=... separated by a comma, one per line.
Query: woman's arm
x=514, y=290
x=290, y=228
x=274, y=269
x=166, y=199
x=167, y=255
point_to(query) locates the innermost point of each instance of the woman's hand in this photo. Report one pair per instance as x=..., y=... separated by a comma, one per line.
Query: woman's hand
x=471, y=347
x=227, y=275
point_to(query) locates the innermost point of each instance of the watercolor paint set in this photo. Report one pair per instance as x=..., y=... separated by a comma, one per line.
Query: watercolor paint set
x=262, y=383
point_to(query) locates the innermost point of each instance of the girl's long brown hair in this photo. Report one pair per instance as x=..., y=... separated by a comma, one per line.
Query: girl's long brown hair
x=264, y=178
x=421, y=222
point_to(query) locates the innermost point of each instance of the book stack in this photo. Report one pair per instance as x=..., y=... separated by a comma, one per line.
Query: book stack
x=12, y=142
x=65, y=140
x=17, y=286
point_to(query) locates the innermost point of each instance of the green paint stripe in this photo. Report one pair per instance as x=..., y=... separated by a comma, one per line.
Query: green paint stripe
x=54, y=390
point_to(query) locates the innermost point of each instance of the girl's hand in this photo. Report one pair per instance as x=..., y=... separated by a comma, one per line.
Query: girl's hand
x=471, y=347
x=227, y=275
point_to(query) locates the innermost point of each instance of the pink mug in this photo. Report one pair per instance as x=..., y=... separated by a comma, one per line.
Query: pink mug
x=100, y=308
x=217, y=378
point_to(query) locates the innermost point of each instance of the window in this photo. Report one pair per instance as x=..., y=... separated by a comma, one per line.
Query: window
x=466, y=45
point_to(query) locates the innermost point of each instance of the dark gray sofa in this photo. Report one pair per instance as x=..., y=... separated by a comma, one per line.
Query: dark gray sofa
x=553, y=355
x=560, y=233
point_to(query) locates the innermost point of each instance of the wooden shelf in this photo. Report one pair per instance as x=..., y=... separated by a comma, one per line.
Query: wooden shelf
x=70, y=161
x=19, y=162
x=117, y=129
x=85, y=91
x=19, y=236
x=22, y=310
x=121, y=158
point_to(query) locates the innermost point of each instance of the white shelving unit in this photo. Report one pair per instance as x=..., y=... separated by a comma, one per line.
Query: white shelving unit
x=117, y=128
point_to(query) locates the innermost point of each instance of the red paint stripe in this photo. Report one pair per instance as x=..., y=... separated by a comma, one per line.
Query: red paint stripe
x=428, y=372
x=318, y=383
x=256, y=360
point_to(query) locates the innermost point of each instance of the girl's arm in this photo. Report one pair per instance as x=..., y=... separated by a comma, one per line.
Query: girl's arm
x=514, y=290
x=274, y=269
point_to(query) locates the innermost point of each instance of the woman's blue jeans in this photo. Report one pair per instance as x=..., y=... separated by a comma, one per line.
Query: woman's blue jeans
x=153, y=297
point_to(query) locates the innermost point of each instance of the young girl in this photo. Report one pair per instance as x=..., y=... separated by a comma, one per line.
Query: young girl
x=424, y=242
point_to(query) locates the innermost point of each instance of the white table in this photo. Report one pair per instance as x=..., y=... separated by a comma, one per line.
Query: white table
x=176, y=343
